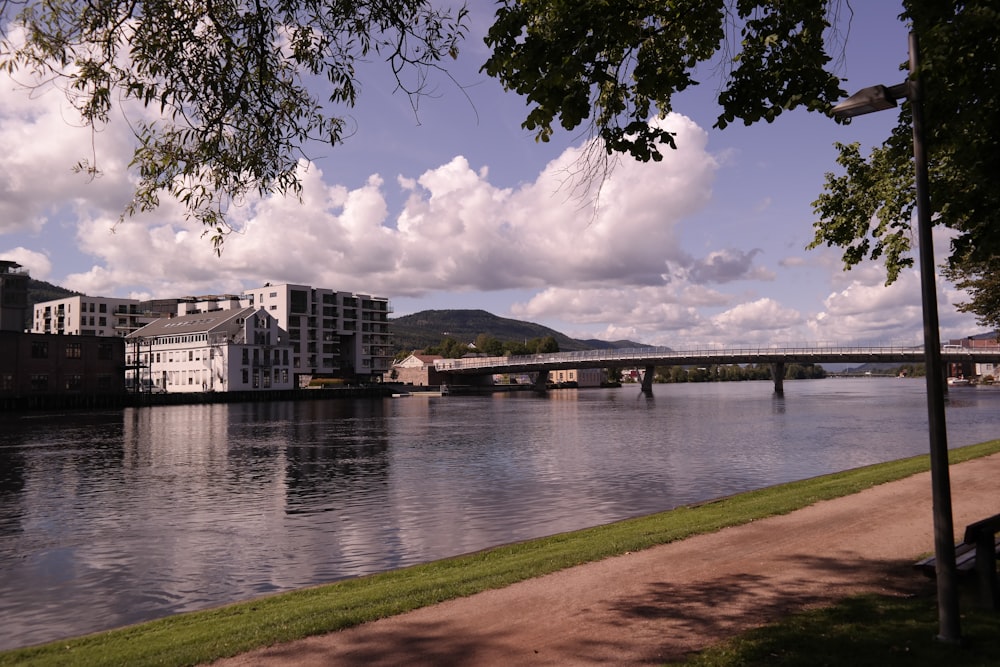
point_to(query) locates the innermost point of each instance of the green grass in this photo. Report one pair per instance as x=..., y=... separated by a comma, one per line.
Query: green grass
x=199, y=637
x=862, y=631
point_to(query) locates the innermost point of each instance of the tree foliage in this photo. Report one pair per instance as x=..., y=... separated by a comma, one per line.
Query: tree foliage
x=238, y=86
x=735, y=373
x=867, y=210
x=616, y=64
x=489, y=345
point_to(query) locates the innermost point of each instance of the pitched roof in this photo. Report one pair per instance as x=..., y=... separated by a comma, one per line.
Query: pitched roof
x=195, y=323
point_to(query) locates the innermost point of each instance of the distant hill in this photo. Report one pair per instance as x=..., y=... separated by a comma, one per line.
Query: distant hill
x=428, y=327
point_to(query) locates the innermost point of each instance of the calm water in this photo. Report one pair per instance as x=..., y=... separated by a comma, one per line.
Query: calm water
x=113, y=518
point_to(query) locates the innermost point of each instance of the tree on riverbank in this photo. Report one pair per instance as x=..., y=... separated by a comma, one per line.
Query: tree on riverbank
x=735, y=373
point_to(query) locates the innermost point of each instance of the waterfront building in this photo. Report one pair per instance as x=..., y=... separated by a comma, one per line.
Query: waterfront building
x=223, y=349
x=417, y=370
x=333, y=334
x=42, y=366
x=968, y=369
x=582, y=377
x=98, y=315
x=49, y=364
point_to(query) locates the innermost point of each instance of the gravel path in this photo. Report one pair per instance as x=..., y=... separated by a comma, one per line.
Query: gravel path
x=655, y=605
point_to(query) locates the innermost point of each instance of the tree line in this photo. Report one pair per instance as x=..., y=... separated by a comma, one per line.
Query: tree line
x=734, y=373
x=491, y=346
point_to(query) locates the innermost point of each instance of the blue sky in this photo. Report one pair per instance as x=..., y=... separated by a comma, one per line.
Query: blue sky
x=455, y=206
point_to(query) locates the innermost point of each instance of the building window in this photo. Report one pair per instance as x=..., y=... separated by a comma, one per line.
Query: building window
x=104, y=383
x=246, y=376
x=298, y=302
x=74, y=383
x=102, y=308
x=73, y=351
x=39, y=382
x=7, y=382
x=39, y=350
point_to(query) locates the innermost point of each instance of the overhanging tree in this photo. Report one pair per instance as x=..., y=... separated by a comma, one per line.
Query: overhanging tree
x=613, y=65
x=242, y=85
x=867, y=210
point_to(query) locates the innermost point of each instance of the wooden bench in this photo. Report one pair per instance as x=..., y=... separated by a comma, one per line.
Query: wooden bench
x=977, y=552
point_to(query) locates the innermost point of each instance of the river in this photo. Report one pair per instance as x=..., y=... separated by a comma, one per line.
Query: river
x=117, y=517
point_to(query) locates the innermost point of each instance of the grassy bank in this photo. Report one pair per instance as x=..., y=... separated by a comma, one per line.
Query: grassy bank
x=199, y=637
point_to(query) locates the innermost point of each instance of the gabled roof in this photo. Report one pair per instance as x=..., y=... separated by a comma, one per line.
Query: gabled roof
x=425, y=360
x=196, y=323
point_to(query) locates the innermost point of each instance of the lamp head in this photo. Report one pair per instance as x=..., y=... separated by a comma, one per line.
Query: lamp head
x=866, y=100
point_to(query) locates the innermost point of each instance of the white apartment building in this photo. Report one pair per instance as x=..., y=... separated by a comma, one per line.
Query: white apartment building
x=97, y=315
x=333, y=334
x=240, y=349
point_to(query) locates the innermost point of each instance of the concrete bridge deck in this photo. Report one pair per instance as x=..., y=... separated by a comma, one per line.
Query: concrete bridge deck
x=664, y=356
x=650, y=357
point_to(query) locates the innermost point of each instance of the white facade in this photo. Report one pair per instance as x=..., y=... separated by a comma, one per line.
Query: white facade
x=333, y=334
x=240, y=349
x=85, y=316
x=97, y=315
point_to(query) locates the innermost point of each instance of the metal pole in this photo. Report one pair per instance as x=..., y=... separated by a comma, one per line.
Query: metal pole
x=949, y=627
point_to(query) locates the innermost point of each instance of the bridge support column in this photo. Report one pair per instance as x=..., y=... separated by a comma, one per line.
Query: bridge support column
x=541, y=382
x=647, y=380
x=778, y=375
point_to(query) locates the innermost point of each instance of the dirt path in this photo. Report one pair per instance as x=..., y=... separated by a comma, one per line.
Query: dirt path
x=658, y=604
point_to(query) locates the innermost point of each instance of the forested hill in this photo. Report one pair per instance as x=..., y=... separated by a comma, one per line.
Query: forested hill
x=428, y=327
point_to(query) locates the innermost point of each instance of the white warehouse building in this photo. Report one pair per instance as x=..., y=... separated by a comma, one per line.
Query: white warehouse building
x=240, y=349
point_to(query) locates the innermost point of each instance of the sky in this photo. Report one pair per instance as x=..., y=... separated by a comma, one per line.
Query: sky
x=454, y=205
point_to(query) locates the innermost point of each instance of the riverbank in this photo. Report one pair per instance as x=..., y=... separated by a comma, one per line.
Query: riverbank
x=647, y=589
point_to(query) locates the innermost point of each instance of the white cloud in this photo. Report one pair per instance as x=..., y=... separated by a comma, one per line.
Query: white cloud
x=456, y=231
x=36, y=263
x=763, y=315
x=41, y=139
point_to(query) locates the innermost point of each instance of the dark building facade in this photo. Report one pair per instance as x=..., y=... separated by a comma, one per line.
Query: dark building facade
x=60, y=370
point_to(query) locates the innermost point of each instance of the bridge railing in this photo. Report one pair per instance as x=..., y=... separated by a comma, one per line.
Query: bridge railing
x=663, y=355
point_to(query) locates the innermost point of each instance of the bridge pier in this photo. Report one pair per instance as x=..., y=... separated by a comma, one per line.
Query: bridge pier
x=778, y=375
x=647, y=380
x=541, y=382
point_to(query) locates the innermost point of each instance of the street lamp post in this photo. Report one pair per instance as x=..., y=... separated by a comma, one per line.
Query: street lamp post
x=878, y=98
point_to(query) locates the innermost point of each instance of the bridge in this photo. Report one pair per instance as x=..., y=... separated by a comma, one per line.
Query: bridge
x=650, y=357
